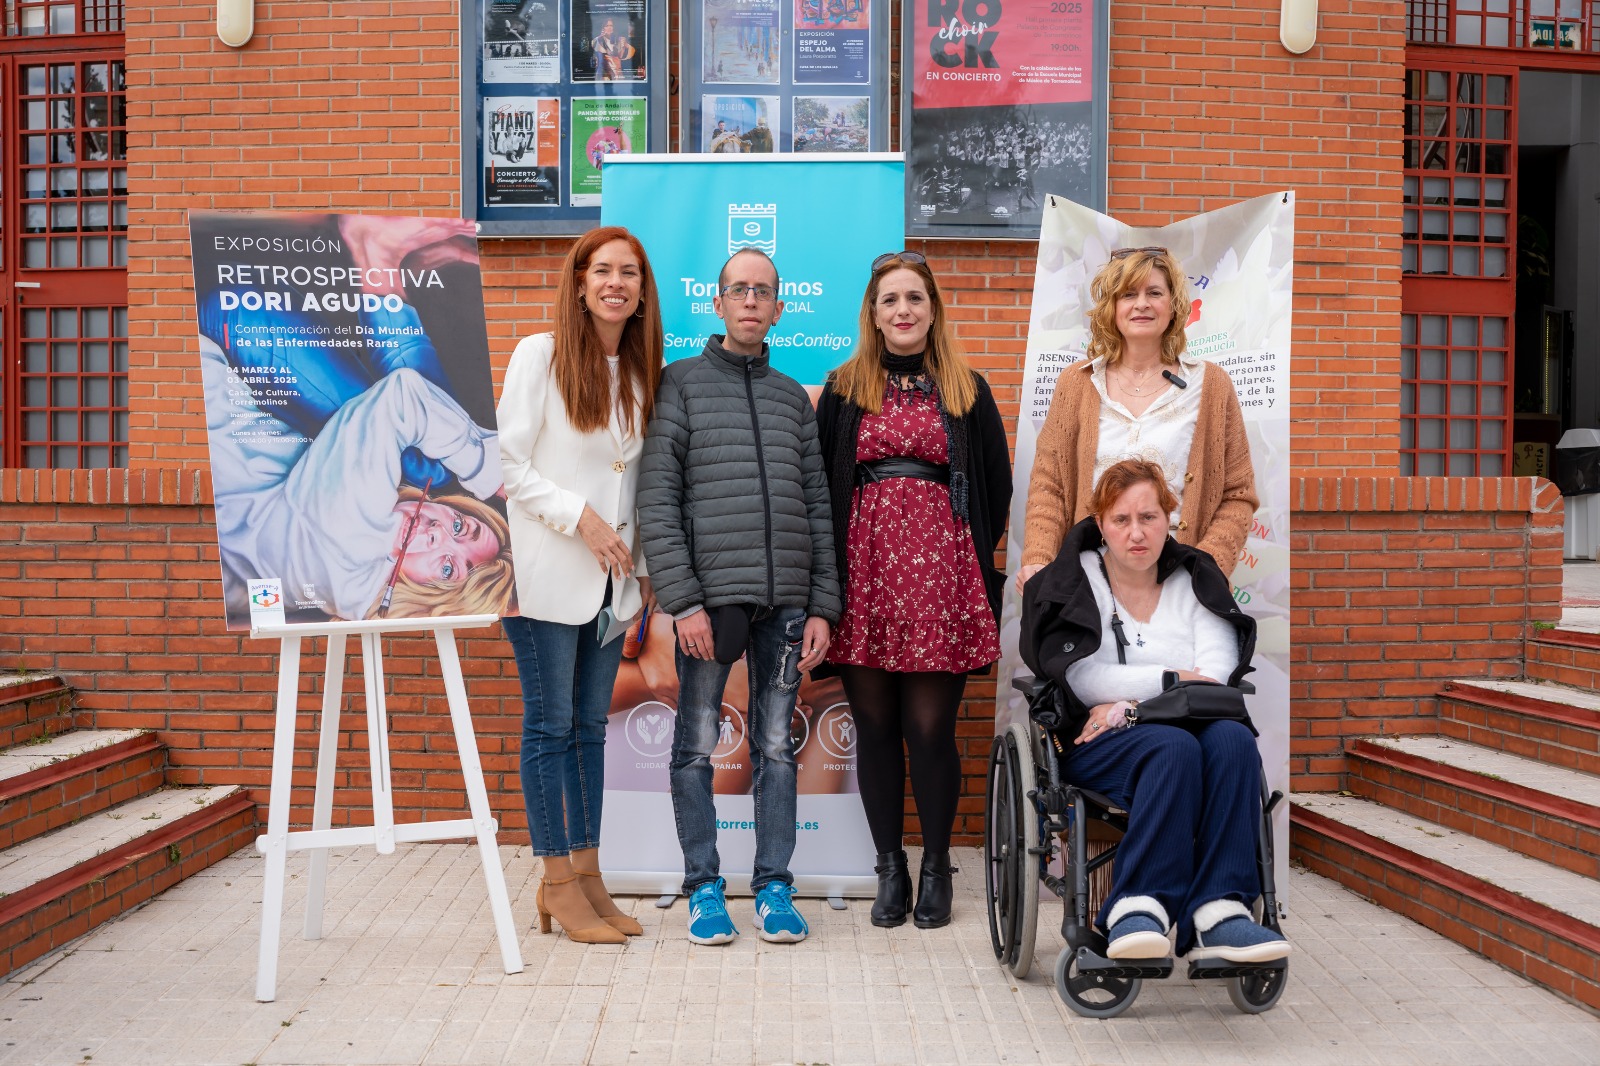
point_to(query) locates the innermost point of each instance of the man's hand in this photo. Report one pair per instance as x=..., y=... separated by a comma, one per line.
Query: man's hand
x=814, y=645
x=694, y=636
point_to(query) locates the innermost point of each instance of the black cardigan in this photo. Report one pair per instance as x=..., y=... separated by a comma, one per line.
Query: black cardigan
x=988, y=479
x=1061, y=621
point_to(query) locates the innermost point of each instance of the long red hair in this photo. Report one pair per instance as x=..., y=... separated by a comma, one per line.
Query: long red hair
x=579, y=362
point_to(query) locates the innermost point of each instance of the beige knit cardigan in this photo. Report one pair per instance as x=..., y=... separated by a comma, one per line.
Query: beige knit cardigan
x=1219, y=488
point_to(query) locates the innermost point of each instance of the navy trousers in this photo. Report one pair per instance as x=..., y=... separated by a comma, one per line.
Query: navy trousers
x=1194, y=807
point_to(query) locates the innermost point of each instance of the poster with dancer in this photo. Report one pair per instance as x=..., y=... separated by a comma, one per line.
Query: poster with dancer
x=1007, y=105
x=354, y=456
x=522, y=150
x=832, y=42
x=608, y=40
x=522, y=41
x=601, y=126
x=741, y=42
x=1240, y=266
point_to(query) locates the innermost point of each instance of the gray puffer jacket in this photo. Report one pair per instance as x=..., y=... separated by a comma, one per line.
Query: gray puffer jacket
x=733, y=501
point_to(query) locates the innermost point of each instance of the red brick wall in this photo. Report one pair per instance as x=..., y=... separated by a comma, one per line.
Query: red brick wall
x=1401, y=584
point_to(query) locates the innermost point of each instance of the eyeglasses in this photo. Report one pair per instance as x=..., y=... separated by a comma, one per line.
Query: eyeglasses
x=904, y=256
x=738, y=290
x=1123, y=253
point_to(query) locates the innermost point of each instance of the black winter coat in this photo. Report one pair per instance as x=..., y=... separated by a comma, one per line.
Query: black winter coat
x=1061, y=621
x=733, y=503
x=988, y=478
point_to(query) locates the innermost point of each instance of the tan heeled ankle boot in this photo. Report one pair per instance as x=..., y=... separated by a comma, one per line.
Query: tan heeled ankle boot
x=560, y=897
x=586, y=863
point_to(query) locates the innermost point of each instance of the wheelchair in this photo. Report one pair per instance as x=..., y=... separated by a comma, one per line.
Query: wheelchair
x=1031, y=817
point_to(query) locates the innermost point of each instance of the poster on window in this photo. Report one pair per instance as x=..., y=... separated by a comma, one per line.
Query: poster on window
x=522, y=41
x=832, y=42
x=601, y=126
x=522, y=150
x=739, y=125
x=350, y=417
x=741, y=42
x=1004, y=105
x=832, y=123
x=608, y=40
x=1239, y=263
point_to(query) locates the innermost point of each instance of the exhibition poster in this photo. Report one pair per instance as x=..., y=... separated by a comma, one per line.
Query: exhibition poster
x=721, y=205
x=1004, y=106
x=832, y=42
x=1240, y=266
x=350, y=417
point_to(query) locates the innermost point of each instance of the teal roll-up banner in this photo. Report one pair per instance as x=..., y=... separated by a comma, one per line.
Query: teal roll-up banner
x=822, y=218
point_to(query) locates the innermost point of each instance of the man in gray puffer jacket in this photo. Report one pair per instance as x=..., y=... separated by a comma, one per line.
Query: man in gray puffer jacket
x=738, y=535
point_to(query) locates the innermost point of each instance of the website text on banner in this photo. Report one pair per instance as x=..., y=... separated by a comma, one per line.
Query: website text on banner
x=1240, y=266
x=822, y=219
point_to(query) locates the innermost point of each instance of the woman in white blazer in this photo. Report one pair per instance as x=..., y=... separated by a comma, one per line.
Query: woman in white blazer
x=572, y=419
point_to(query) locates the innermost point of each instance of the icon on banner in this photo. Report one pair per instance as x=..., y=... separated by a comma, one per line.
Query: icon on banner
x=267, y=598
x=836, y=732
x=649, y=729
x=753, y=226
x=308, y=590
x=730, y=732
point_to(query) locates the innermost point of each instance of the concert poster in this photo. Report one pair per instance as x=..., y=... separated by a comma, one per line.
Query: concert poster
x=602, y=126
x=832, y=42
x=522, y=41
x=522, y=150
x=741, y=42
x=832, y=123
x=608, y=40
x=1003, y=114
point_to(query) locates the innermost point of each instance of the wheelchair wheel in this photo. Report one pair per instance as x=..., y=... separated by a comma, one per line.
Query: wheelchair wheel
x=1093, y=995
x=1257, y=993
x=1011, y=831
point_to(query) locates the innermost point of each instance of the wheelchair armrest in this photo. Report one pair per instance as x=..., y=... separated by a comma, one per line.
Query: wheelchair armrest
x=1246, y=687
x=1029, y=686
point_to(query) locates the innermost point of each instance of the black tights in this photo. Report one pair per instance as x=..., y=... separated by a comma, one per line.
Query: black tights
x=917, y=710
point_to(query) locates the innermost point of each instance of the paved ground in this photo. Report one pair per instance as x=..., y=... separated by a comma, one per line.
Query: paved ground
x=408, y=973
x=1580, y=584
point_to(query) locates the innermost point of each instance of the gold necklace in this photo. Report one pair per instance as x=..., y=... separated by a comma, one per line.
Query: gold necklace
x=1137, y=389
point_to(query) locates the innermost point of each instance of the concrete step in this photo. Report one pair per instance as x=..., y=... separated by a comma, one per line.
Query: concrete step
x=1549, y=813
x=34, y=705
x=1551, y=722
x=1569, y=653
x=1540, y=920
x=56, y=887
x=52, y=781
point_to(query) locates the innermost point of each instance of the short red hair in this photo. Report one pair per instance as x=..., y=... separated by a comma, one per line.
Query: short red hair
x=1121, y=477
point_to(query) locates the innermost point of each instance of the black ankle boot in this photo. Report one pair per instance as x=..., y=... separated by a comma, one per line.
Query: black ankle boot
x=894, y=890
x=933, y=891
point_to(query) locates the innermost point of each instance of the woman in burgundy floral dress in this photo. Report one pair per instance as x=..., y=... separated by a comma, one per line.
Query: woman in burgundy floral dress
x=920, y=480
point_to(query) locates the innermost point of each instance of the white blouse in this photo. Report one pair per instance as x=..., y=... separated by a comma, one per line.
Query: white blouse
x=1181, y=635
x=1163, y=434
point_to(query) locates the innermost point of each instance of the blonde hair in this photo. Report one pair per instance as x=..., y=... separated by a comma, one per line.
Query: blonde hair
x=1124, y=275
x=862, y=378
x=488, y=587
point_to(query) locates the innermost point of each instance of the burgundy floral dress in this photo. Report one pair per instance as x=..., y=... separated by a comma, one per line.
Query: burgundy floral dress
x=914, y=597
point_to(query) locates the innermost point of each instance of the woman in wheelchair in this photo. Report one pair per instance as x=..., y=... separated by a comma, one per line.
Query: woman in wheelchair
x=1122, y=612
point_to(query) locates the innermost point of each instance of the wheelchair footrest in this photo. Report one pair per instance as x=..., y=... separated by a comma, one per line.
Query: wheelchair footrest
x=1213, y=969
x=1145, y=969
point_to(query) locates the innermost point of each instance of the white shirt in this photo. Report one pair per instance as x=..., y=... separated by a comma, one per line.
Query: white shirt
x=1181, y=635
x=1163, y=434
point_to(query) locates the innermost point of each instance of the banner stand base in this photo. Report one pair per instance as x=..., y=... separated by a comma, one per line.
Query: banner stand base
x=837, y=903
x=383, y=833
x=667, y=900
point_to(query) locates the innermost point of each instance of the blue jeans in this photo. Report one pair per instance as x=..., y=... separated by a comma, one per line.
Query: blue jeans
x=567, y=676
x=773, y=661
x=1194, y=808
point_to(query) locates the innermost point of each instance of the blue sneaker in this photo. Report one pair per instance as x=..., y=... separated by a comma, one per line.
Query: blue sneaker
x=708, y=914
x=780, y=922
x=1238, y=939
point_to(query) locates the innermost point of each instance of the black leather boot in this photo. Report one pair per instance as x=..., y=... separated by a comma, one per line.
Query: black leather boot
x=934, y=891
x=894, y=890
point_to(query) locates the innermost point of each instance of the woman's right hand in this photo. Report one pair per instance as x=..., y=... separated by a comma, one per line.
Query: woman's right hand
x=1025, y=573
x=608, y=548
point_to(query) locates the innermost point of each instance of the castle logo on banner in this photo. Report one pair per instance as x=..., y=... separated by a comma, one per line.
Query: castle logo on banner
x=753, y=226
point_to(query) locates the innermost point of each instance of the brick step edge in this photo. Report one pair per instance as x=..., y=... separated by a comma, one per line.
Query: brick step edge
x=52, y=796
x=1550, y=828
x=1572, y=638
x=1552, y=949
x=1545, y=730
x=29, y=710
x=59, y=909
x=1570, y=659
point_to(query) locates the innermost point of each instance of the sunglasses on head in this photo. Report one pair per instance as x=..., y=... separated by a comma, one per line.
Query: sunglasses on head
x=904, y=256
x=1123, y=253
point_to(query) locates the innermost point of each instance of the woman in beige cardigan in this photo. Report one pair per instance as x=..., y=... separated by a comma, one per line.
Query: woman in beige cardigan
x=1139, y=395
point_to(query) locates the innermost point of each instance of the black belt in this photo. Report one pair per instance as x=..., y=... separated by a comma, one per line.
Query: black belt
x=880, y=469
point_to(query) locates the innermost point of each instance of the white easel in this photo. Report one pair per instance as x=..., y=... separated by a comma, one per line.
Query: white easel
x=383, y=833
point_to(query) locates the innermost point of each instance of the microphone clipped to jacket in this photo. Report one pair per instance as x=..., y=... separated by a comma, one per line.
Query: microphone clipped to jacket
x=1175, y=379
